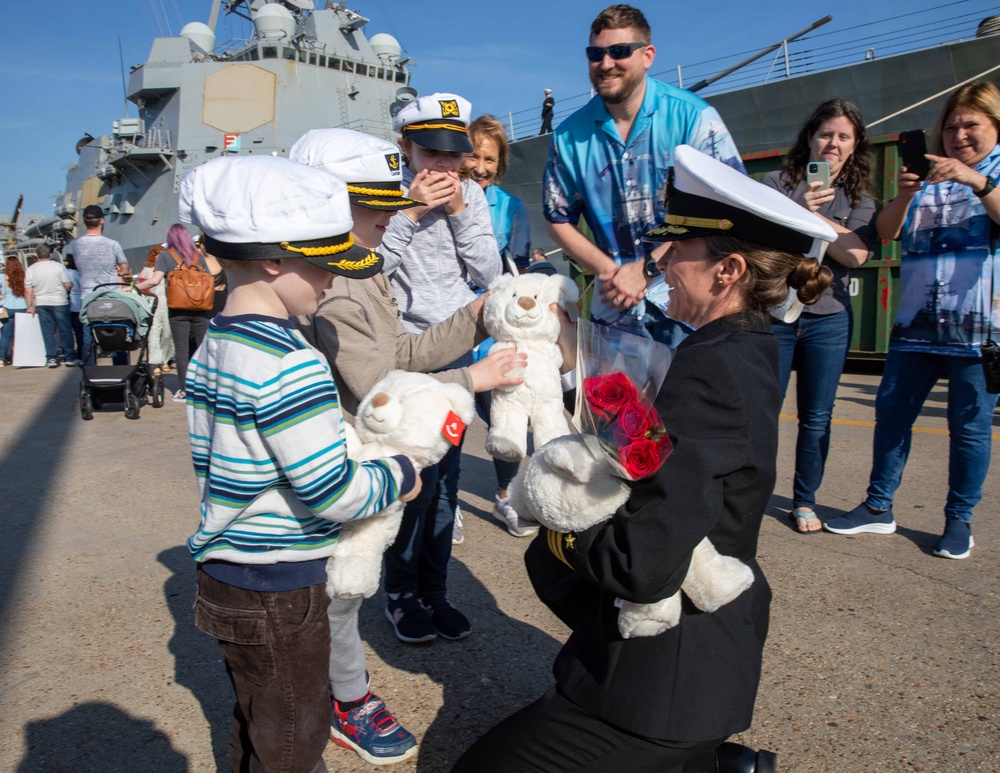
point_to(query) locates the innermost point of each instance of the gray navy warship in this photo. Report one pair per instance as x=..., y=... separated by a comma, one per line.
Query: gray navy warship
x=303, y=67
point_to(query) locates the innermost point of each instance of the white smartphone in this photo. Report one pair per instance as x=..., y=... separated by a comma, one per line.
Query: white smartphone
x=818, y=171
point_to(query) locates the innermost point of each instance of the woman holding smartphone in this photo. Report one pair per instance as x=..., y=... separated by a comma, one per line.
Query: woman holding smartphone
x=834, y=139
x=949, y=225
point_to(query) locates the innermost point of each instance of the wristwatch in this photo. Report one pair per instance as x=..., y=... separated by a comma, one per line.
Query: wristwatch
x=987, y=189
x=650, y=269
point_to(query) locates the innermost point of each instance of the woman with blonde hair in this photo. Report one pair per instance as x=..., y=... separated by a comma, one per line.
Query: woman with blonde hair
x=949, y=224
x=487, y=164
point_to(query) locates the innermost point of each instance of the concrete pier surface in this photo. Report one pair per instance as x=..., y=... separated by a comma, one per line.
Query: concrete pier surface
x=881, y=657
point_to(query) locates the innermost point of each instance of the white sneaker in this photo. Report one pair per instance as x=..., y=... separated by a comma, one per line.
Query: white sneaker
x=179, y=396
x=507, y=515
x=457, y=538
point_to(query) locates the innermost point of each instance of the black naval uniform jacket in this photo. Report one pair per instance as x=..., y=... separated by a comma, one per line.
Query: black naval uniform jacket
x=698, y=681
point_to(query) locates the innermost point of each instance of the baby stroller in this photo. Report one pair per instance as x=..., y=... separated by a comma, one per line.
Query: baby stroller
x=119, y=321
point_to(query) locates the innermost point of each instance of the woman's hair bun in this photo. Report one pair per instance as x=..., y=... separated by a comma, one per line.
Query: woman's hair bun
x=810, y=280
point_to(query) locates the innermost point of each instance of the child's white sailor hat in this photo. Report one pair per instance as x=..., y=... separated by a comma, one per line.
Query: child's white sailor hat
x=708, y=197
x=371, y=166
x=437, y=121
x=270, y=208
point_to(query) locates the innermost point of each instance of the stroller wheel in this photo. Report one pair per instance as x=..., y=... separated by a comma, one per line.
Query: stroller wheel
x=86, y=407
x=156, y=399
x=131, y=406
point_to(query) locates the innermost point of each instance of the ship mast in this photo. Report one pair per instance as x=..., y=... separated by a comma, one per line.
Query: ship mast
x=213, y=16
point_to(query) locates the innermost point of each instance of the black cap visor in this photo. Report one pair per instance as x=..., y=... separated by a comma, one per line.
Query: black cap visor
x=380, y=195
x=450, y=136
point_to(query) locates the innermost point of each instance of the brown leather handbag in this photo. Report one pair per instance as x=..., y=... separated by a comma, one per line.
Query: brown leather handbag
x=189, y=288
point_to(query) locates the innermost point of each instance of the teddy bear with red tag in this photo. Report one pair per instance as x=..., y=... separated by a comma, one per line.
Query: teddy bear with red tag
x=405, y=413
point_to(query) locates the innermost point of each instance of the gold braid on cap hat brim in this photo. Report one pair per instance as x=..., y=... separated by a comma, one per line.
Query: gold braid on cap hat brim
x=416, y=127
x=317, y=252
x=357, y=191
x=699, y=222
x=356, y=265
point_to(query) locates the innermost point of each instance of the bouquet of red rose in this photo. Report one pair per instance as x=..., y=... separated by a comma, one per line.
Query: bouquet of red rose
x=618, y=376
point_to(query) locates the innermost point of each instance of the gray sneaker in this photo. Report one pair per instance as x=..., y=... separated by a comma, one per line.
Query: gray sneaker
x=457, y=537
x=507, y=515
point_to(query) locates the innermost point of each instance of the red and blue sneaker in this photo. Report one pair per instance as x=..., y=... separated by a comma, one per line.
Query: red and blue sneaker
x=373, y=732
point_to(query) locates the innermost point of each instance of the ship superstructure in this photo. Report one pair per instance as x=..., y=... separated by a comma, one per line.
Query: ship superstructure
x=301, y=68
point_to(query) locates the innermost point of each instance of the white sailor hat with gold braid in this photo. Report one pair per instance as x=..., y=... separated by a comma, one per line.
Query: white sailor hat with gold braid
x=270, y=208
x=437, y=121
x=708, y=197
x=371, y=166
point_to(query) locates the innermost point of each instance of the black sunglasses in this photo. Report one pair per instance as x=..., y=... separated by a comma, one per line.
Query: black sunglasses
x=618, y=51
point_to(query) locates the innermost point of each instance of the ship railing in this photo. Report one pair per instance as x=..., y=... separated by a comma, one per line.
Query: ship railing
x=154, y=139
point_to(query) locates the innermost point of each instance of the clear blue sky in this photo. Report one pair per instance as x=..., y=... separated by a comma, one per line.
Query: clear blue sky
x=59, y=62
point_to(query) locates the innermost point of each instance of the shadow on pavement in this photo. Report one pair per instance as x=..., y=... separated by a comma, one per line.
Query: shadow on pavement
x=508, y=660
x=30, y=465
x=98, y=737
x=198, y=662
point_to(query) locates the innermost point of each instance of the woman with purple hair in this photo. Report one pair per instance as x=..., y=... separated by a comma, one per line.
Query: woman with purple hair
x=187, y=327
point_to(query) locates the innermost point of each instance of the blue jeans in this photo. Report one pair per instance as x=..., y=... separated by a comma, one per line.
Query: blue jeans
x=56, y=320
x=817, y=345
x=417, y=562
x=906, y=381
x=7, y=338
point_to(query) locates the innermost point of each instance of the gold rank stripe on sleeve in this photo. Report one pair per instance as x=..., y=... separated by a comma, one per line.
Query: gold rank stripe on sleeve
x=555, y=539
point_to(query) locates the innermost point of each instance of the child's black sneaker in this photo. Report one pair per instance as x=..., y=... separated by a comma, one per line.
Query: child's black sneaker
x=448, y=621
x=411, y=622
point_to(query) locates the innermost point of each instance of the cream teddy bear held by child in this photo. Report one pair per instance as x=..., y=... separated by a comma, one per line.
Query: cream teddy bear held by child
x=405, y=413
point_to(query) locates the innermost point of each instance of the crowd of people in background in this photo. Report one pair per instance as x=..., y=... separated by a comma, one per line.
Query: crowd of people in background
x=699, y=275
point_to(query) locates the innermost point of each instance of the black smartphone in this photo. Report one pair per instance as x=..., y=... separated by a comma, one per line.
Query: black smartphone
x=912, y=147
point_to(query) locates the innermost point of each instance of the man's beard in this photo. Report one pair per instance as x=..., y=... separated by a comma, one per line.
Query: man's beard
x=619, y=89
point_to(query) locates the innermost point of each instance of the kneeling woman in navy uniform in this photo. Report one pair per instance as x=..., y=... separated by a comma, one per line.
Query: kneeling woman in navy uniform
x=664, y=703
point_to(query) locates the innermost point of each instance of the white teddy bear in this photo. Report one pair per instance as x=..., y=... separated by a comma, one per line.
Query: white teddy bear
x=404, y=413
x=566, y=488
x=517, y=315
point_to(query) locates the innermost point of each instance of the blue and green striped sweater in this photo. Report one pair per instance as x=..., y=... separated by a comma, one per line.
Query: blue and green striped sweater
x=268, y=447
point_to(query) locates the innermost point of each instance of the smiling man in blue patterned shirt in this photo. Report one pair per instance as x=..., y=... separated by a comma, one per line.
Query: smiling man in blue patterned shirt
x=618, y=185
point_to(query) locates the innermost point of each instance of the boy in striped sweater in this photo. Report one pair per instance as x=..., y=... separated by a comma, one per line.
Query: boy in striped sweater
x=268, y=448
